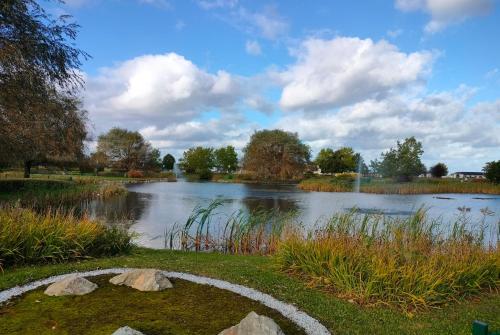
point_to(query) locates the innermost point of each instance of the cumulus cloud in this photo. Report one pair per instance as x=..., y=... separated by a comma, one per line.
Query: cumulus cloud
x=451, y=131
x=343, y=70
x=160, y=89
x=253, y=48
x=446, y=12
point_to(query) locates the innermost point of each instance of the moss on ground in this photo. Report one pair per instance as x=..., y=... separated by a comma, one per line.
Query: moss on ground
x=186, y=309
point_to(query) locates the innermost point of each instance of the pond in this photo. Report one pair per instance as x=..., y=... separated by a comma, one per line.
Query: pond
x=153, y=208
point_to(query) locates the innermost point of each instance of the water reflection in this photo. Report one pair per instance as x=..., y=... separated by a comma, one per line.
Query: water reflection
x=129, y=208
x=153, y=208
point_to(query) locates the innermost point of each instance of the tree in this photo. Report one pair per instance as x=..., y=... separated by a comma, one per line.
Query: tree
x=276, y=154
x=492, y=171
x=39, y=111
x=168, y=162
x=153, y=160
x=52, y=127
x=439, y=170
x=339, y=161
x=198, y=161
x=124, y=149
x=402, y=162
x=226, y=159
x=325, y=160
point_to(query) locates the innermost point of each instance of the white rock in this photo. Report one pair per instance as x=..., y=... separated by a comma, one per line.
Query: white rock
x=254, y=324
x=143, y=280
x=72, y=285
x=127, y=331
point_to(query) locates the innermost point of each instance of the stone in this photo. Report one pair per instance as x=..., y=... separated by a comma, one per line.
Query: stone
x=127, y=331
x=254, y=324
x=72, y=285
x=143, y=280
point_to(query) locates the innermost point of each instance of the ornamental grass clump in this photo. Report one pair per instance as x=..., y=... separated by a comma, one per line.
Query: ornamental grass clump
x=28, y=237
x=404, y=262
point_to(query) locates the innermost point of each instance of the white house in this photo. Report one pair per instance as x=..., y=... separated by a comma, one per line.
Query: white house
x=467, y=175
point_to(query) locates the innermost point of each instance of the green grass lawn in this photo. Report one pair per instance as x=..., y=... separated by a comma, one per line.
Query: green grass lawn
x=339, y=316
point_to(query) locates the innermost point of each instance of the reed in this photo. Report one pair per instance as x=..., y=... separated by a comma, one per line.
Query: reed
x=410, y=263
x=54, y=193
x=256, y=232
x=27, y=237
x=384, y=186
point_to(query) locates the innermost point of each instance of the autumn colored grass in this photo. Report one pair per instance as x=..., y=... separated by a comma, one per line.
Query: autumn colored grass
x=387, y=186
x=28, y=237
x=409, y=262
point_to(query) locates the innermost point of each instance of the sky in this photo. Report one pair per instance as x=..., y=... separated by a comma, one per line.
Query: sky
x=339, y=73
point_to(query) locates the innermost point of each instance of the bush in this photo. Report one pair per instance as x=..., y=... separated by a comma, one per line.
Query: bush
x=27, y=237
x=135, y=174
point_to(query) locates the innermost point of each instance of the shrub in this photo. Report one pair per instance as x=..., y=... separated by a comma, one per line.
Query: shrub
x=135, y=174
x=27, y=237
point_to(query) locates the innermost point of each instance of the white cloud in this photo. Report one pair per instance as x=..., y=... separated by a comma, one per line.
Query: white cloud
x=253, y=48
x=159, y=89
x=267, y=23
x=341, y=71
x=212, y=4
x=394, y=33
x=451, y=131
x=446, y=12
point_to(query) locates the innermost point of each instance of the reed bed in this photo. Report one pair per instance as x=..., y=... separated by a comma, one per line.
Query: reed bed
x=424, y=186
x=54, y=193
x=409, y=263
x=28, y=237
x=257, y=232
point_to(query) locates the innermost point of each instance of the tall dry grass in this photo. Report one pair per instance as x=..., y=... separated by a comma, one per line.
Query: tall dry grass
x=27, y=237
x=418, y=186
x=411, y=263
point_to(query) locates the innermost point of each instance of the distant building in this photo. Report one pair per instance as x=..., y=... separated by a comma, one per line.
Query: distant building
x=467, y=175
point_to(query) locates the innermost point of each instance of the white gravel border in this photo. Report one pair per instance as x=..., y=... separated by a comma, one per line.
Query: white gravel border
x=309, y=324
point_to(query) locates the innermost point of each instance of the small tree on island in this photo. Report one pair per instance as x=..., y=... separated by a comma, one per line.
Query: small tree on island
x=168, y=162
x=226, y=159
x=492, y=171
x=439, y=170
x=276, y=154
x=199, y=161
x=402, y=162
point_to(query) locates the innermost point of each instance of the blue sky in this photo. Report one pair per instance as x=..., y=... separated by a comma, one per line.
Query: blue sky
x=356, y=73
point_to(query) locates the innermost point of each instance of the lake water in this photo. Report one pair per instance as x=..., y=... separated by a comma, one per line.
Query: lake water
x=152, y=208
